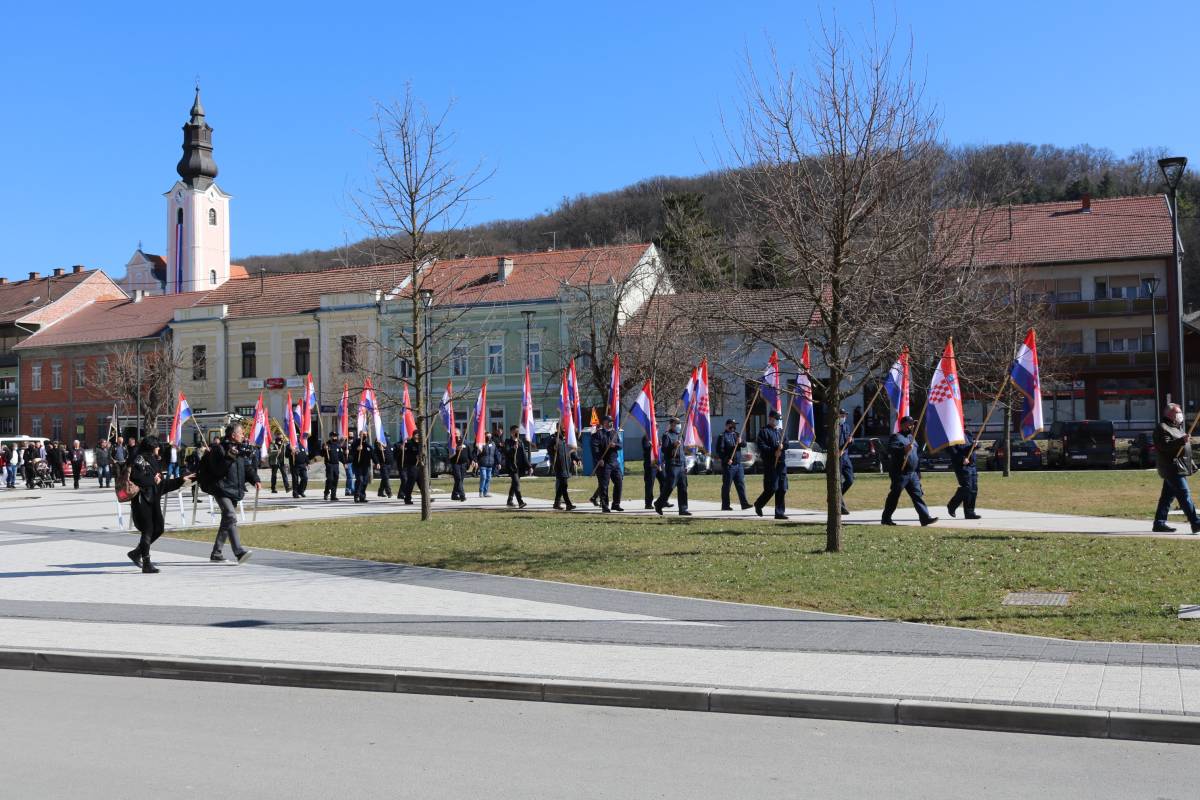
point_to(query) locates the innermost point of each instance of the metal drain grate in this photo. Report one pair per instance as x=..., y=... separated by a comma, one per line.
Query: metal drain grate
x=1037, y=599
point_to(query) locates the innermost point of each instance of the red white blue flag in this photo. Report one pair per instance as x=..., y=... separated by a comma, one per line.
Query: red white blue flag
x=480, y=414
x=944, y=415
x=344, y=412
x=771, y=385
x=408, y=423
x=183, y=412
x=290, y=419
x=806, y=429
x=527, y=407
x=1026, y=377
x=309, y=406
x=447, y=410
x=573, y=394
x=896, y=384
x=367, y=403
x=643, y=411
x=614, y=392
x=566, y=420
x=698, y=432
x=260, y=432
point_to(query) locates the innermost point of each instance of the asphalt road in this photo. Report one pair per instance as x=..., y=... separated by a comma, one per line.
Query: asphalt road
x=99, y=737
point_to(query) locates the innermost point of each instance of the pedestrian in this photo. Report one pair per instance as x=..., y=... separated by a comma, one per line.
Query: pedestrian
x=516, y=456
x=1173, y=449
x=606, y=450
x=383, y=459
x=76, y=456
x=771, y=445
x=145, y=507
x=54, y=457
x=103, y=457
x=173, y=460
x=671, y=446
x=29, y=462
x=562, y=458
x=962, y=457
x=331, y=454
x=348, y=463
x=733, y=472
x=904, y=467
x=119, y=453
x=297, y=464
x=233, y=472
x=487, y=458
x=460, y=461
x=845, y=466
x=411, y=465
x=361, y=458
x=7, y=467
x=649, y=471
x=277, y=458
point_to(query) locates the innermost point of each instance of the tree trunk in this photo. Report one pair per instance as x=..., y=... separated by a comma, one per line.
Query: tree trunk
x=1007, y=435
x=421, y=380
x=833, y=474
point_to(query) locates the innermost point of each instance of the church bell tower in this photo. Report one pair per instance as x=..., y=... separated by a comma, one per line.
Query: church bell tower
x=197, y=214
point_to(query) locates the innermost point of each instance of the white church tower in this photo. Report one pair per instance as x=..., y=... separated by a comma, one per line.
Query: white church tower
x=197, y=214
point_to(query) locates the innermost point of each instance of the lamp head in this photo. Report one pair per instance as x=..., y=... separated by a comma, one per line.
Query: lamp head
x=1172, y=170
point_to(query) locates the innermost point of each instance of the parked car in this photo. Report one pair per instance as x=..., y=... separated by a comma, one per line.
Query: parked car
x=1025, y=454
x=935, y=462
x=696, y=462
x=866, y=455
x=798, y=458
x=1082, y=443
x=751, y=458
x=1142, y=452
x=439, y=459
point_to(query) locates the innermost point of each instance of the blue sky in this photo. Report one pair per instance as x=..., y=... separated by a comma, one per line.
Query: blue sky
x=560, y=98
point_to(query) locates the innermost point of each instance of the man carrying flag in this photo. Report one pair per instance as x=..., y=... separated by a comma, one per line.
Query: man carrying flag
x=459, y=459
x=344, y=432
x=295, y=455
x=643, y=412
x=485, y=448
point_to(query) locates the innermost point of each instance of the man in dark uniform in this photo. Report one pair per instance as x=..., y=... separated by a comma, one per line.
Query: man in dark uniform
x=844, y=464
x=562, y=458
x=382, y=456
x=277, y=458
x=771, y=444
x=411, y=465
x=361, y=457
x=729, y=452
x=54, y=458
x=516, y=455
x=671, y=446
x=460, y=462
x=1174, y=464
x=904, y=467
x=649, y=471
x=296, y=462
x=606, y=444
x=332, y=454
x=963, y=459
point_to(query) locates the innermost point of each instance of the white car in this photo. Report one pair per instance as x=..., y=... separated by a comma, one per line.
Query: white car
x=799, y=458
x=696, y=462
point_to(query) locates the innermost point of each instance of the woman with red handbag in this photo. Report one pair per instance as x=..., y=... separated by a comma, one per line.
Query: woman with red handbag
x=145, y=472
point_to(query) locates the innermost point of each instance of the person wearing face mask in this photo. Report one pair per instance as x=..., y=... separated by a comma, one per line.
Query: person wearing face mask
x=771, y=445
x=671, y=447
x=1174, y=457
x=606, y=446
x=733, y=473
x=904, y=467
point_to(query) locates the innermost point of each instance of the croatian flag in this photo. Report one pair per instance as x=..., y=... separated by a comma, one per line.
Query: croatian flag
x=689, y=392
x=296, y=417
x=310, y=406
x=643, y=411
x=527, y=407
x=291, y=423
x=896, y=385
x=573, y=394
x=260, y=433
x=566, y=420
x=699, y=431
x=771, y=386
x=447, y=410
x=614, y=392
x=408, y=423
x=944, y=413
x=1025, y=376
x=480, y=410
x=366, y=403
x=183, y=412
x=806, y=429
x=343, y=412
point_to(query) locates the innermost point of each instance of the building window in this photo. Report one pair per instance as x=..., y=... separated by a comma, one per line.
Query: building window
x=81, y=428
x=35, y=377
x=496, y=420
x=1070, y=341
x=249, y=360
x=200, y=362
x=212, y=216
x=349, y=353
x=302, y=360
x=56, y=376
x=244, y=411
x=1125, y=340
x=495, y=358
x=56, y=428
x=460, y=422
x=404, y=366
x=35, y=426
x=458, y=361
x=8, y=425
x=102, y=372
x=535, y=358
x=8, y=384
x=80, y=374
x=212, y=277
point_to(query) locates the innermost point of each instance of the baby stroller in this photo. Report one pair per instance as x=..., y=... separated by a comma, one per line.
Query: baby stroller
x=43, y=477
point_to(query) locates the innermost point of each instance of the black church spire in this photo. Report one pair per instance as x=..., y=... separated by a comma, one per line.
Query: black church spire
x=197, y=167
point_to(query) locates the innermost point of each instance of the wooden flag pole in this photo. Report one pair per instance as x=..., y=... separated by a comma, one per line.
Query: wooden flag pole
x=254, y=514
x=750, y=410
x=986, y=419
x=870, y=405
x=1194, y=421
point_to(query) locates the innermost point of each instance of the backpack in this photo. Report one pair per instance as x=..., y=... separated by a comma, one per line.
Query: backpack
x=208, y=473
x=125, y=489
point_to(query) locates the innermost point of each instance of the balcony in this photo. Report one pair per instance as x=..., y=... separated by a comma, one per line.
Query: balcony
x=1117, y=361
x=8, y=398
x=1106, y=308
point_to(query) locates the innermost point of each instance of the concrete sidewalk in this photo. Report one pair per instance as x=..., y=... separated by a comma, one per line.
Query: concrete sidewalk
x=66, y=586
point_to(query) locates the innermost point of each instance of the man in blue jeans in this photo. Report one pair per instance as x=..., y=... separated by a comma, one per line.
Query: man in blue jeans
x=1173, y=448
x=486, y=459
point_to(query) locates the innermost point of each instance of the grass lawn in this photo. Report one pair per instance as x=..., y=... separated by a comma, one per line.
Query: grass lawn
x=1100, y=493
x=1124, y=588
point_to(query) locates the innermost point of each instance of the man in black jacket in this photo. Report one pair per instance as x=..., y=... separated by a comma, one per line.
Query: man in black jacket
x=771, y=446
x=1173, y=449
x=146, y=506
x=904, y=467
x=297, y=464
x=733, y=473
x=360, y=460
x=671, y=448
x=606, y=448
x=411, y=468
x=332, y=454
x=516, y=455
x=562, y=458
x=232, y=460
x=460, y=461
x=54, y=457
x=382, y=456
x=103, y=464
x=486, y=456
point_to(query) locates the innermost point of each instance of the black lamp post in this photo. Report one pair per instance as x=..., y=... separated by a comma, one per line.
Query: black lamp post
x=1172, y=170
x=1151, y=285
x=528, y=321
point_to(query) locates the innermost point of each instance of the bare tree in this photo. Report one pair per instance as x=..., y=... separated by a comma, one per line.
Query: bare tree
x=840, y=171
x=138, y=376
x=414, y=206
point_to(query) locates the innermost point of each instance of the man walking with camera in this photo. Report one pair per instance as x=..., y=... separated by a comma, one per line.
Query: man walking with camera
x=1174, y=456
x=231, y=470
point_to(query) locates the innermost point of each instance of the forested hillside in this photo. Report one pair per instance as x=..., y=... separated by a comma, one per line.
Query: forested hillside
x=697, y=223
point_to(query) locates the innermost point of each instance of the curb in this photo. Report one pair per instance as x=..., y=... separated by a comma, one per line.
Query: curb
x=1097, y=724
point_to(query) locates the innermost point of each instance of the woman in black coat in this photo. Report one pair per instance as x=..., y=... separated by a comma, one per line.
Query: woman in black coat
x=145, y=472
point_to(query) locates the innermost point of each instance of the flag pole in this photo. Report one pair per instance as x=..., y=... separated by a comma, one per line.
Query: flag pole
x=986, y=419
x=870, y=405
x=750, y=410
x=254, y=514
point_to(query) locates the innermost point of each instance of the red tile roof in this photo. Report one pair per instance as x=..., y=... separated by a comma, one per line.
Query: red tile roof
x=1118, y=228
x=112, y=321
x=743, y=311
x=535, y=276
x=24, y=297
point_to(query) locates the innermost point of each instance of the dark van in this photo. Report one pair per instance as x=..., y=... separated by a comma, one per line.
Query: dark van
x=1083, y=443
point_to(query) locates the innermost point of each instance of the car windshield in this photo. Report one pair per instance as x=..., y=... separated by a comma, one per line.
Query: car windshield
x=859, y=446
x=1088, y=434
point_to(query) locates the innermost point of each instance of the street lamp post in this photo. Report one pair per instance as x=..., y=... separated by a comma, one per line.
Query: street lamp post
x=1151, y=285
x=1172, y=170
x=426, y=296
x=528, y=321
